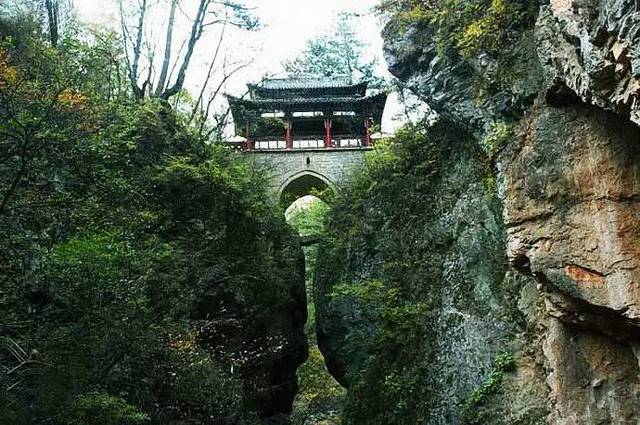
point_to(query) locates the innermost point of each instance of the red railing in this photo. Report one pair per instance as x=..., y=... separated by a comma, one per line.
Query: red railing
x=305, y=142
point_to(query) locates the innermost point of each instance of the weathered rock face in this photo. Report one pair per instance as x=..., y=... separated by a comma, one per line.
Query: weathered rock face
x=572, y=207
x=480, y=308
x=472, y=93
x=572, y=212
x=593, y=47
x=569, y=181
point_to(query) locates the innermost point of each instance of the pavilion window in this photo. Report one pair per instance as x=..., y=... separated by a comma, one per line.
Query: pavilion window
x=308, y=114
x=275, y=114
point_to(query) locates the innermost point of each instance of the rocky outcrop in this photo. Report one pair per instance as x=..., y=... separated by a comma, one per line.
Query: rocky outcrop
x=473, y=93
x=480, y=308
x=569, y=184
x=593, y=48
x=572, y=210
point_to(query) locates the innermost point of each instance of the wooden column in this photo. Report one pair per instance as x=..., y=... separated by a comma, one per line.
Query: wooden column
x=288, y=136
x=327, y=127
x=248, y=144
x=367, y=134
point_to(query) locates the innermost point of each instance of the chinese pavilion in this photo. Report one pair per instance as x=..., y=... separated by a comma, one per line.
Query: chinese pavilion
x=306, y=113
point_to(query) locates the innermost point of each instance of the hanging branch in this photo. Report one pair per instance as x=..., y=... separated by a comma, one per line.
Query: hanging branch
x=213, y=96
x=209, y=74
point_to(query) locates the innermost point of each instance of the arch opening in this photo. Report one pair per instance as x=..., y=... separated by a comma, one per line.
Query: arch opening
x=304, y=184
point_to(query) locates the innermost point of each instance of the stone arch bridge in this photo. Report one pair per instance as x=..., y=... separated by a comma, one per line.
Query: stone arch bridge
x=310, y=132
x=300, y=172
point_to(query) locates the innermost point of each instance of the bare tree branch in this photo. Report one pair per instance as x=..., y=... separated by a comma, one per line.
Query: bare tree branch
x=209, y=74
x=196, y=33
x=175, y=63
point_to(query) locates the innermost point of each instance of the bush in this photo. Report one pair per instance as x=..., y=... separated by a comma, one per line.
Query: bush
x=463, y=27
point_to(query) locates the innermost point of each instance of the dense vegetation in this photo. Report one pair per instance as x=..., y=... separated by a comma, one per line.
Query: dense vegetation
x=462, y=27
x=142, y=267
x=386, y=275
x=124, y=239
x=365, y=225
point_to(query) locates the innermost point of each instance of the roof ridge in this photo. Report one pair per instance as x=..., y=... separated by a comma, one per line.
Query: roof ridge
x=307, y=82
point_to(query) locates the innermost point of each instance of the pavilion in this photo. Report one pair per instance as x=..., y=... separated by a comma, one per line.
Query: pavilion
x=306, y=113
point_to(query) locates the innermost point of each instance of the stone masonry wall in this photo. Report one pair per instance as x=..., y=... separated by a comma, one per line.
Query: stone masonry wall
x=330, y=166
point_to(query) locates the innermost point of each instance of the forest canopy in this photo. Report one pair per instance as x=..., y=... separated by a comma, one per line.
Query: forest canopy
x=124, y=236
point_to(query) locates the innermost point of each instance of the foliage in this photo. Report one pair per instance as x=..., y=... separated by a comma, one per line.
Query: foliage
x=375, y=262
x=339, y=53
x=463, y=27
x=320, y=397
x=309, y=219
x=101, y=409
x=472, y=412
x=389, y=279
x=497, y=138
x=123, y=238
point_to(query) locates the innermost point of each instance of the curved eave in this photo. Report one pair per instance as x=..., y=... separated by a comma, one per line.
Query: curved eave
x=239, y=120
x=309, y=104
x=259, y=92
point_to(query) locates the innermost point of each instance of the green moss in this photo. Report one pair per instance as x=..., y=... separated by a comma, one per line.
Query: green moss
x=463, y=27
x=472, y=413
x=104, y=409
x=497, y=138
x=319, y=396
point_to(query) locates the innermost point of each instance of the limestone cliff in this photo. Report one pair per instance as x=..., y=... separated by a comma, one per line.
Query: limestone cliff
x=567, y=86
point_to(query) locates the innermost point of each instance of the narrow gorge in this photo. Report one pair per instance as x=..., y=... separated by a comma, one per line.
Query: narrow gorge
x=234, y=213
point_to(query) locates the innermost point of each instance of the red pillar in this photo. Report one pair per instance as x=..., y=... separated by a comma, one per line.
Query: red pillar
x=247, y=135
x=288, y=137
x=367, y=136
x=327, y=127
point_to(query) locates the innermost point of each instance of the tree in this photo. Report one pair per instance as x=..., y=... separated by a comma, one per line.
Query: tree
x=338, y=53
x=118, y=230
x=54, y=15
x=140, y=48
x=53, y=18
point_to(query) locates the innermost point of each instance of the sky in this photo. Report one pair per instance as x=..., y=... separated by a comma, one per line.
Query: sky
x=286, y=25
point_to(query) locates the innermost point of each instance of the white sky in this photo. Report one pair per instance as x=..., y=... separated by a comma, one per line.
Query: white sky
x=286, y=25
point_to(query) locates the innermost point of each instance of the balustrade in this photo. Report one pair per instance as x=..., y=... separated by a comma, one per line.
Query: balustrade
x=306, y=142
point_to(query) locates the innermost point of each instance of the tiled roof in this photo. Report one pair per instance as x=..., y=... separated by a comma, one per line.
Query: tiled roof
x=296, y=83
x=300, y=100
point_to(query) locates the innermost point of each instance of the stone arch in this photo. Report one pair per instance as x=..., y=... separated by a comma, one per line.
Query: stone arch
x=302, y=183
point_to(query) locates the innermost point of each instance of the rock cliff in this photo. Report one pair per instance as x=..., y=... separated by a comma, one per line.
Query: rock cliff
x=566, y=91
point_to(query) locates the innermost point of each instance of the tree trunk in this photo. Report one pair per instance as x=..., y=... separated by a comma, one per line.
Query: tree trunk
x=53, y=15
x=167, y=50
x=196, y=32
x=137, y=52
